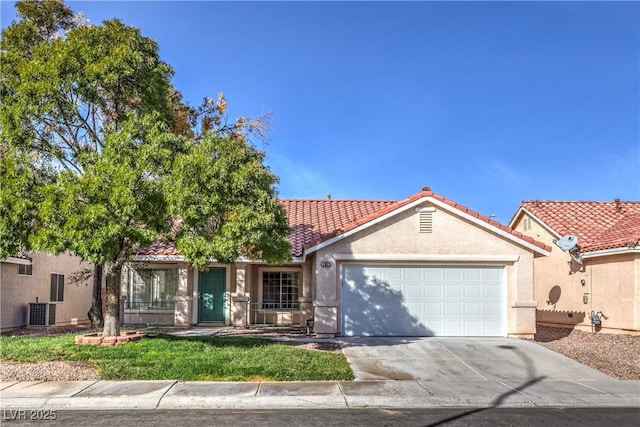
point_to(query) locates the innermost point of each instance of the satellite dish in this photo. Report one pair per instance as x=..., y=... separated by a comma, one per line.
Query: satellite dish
x=568, y=242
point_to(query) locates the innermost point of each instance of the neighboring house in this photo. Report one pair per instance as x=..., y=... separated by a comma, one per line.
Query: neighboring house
x=43, y=279
x=421, y=266
x=608, y=280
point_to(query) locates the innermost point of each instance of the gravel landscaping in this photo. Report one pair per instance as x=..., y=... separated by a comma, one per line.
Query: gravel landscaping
x=614, y=355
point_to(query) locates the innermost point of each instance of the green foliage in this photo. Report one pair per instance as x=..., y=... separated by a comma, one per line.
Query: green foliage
x=95, y=103
x=20, y=194
x=226, y=200
x=165, y=357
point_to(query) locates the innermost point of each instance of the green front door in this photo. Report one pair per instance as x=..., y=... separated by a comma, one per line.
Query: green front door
x=212, y=287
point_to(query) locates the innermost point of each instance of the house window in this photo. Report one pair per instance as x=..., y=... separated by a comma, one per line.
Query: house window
x=25, y=269
x=280, y=289
x=152, y=288
x=57, y=288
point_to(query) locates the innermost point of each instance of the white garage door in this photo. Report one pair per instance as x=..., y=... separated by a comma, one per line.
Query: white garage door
x=383, y=300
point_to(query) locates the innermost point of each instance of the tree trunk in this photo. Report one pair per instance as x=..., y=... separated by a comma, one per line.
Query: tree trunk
x=113, y=273
x=95, y=313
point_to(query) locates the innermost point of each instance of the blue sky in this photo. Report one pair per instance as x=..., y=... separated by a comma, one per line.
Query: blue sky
x=488, y=103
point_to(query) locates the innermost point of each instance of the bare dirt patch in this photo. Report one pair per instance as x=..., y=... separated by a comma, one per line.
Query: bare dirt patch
x=612, y=354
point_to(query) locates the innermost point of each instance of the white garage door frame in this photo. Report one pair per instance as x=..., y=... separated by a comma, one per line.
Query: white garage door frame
x=414, y=324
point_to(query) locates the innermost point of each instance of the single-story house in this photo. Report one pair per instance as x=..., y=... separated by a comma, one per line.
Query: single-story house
x=421, y=266
x=36, y=290
x=599, y=276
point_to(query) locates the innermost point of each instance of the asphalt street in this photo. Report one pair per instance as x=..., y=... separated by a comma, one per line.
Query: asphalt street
x=534, y=417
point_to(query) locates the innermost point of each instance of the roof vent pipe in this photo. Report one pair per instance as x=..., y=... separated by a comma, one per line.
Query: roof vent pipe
x=618, y=207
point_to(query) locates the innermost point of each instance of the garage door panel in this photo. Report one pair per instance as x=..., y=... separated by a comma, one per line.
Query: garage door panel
x=472, y=275
x=452, y=327
x=413, y=274
x=494, y=274
x=433, y=309
x=473, y=291
x=433, y=275
x=473, y=309
x=414, y=290
x=433, y=291
x=473, y=329
x=452, y=291
x=491, y=291
x=452, y=309
x=453, y=274
x=492, y=310
x=382, y=300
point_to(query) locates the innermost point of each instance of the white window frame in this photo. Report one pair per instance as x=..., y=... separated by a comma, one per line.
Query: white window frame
x=153, y=288
x=262, y=270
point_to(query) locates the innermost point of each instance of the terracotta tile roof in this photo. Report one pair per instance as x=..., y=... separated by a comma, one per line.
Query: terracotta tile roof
x=158, y=249
x=598, y=225
x=316, y=220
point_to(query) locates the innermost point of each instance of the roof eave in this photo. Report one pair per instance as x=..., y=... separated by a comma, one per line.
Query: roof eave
x=611, y=251
x=17, y=260
x=180, y=258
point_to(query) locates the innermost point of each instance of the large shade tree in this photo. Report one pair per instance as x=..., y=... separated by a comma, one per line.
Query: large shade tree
x=100, y=156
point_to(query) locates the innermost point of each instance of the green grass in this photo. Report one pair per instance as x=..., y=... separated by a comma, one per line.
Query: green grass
x=167, y=357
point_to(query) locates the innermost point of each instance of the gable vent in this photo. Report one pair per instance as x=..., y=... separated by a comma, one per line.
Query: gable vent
x=426, y=220
x=526, y=224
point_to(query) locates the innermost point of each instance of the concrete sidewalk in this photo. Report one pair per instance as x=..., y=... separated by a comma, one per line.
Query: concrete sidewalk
x=105, y=395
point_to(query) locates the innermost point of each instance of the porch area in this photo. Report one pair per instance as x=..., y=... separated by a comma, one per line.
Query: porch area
x=239, y=295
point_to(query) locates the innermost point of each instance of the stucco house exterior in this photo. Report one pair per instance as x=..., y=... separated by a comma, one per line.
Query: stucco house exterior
x=43, y=279
x=601, y=277
x=421, y=266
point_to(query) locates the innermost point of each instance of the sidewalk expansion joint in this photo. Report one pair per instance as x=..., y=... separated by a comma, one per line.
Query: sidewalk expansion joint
x=346, y=403
x=80, y=391
x=462, y=361
x=533, y=402
x=425, y=388
x=165, y=393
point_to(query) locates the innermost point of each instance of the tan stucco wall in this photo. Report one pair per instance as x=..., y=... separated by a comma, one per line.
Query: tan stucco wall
x=16, y=292
x=451, y=235
x=611, y=284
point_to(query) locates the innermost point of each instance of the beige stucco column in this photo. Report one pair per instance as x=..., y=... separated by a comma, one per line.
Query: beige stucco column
x=240, y=299
x=326, y=304
x=183, y=300
x=522, y=304
x=306, y=297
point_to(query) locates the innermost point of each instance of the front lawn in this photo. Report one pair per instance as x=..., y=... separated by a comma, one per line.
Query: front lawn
x=166, y=357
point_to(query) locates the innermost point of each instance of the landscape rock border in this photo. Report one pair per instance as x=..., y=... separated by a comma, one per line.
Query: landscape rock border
x=99, y=338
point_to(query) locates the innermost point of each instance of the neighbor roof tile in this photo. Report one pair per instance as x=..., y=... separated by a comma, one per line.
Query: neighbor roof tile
x=598, y=225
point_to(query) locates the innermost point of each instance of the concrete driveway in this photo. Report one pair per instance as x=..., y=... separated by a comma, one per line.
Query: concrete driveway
x=459, y=360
